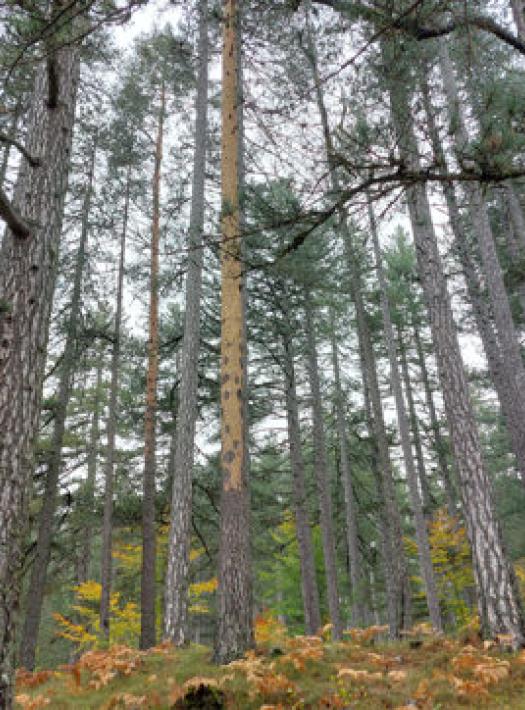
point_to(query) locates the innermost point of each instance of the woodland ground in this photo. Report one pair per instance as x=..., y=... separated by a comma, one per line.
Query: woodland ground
x=423, y=671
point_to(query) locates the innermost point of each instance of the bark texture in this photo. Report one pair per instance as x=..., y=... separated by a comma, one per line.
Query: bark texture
x=26, y=295
x=37, y=583
x=176, y=588
x=235, y=624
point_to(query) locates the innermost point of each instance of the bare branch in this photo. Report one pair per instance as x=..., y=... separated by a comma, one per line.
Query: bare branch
x=31, y=159
x=12, y=218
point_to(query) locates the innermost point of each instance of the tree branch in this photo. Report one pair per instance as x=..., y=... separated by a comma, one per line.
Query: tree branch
x=31, y=159
x=12, y=218
x=421, y=32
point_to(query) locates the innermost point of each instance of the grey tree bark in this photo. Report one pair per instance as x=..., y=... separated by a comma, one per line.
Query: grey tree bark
x=423, y=545
x=358, y=584
x=26, y=295
x=35, y=593
x=310, y=592
x=176, y=588
x=111, y=428
x=498, y=600
x=324, y=491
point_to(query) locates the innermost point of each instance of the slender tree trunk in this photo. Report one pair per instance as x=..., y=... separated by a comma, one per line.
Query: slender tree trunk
x=439, y=443
x=423, y=546
x=37, y=584
x=176, y=589
x=87, y=528
x=426, y=494
x=512, y=409
x=26, y=295
x=359, y=609
x=498, y=601
x=321, y=471
x=310, y=592
x=111, y=428
x=397, y=588
x=235, y=624
x=149, y=556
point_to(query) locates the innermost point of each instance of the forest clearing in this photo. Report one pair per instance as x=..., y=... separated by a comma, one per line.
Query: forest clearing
x=262, y=377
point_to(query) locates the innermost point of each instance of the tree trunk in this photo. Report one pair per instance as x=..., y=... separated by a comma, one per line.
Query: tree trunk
x=426, y=495
x=37, y=584
x=397, y=591
x=516, y=218
x=148, y=586
x=111, y=428
x=498, y=601
x=26, y=295
x=310, y=592
x=423, y=546
x=87, y=528
x=439, y=444
x=513, y=370
x=324, y=491
x=235, y=625
x=359, y=606
x=512, y=409
x=176, y=589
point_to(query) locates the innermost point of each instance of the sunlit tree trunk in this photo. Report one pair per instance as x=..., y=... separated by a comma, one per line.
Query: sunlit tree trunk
x=111, y=428
x=498, y=601
x=26, y=294
x=148, y=586
x=235, y=623
x=176, y=589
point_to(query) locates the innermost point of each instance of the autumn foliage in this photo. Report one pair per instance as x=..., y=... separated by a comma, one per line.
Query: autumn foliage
x=296, y=672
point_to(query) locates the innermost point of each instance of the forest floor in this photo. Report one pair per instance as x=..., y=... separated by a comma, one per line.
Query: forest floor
x=423, y=671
